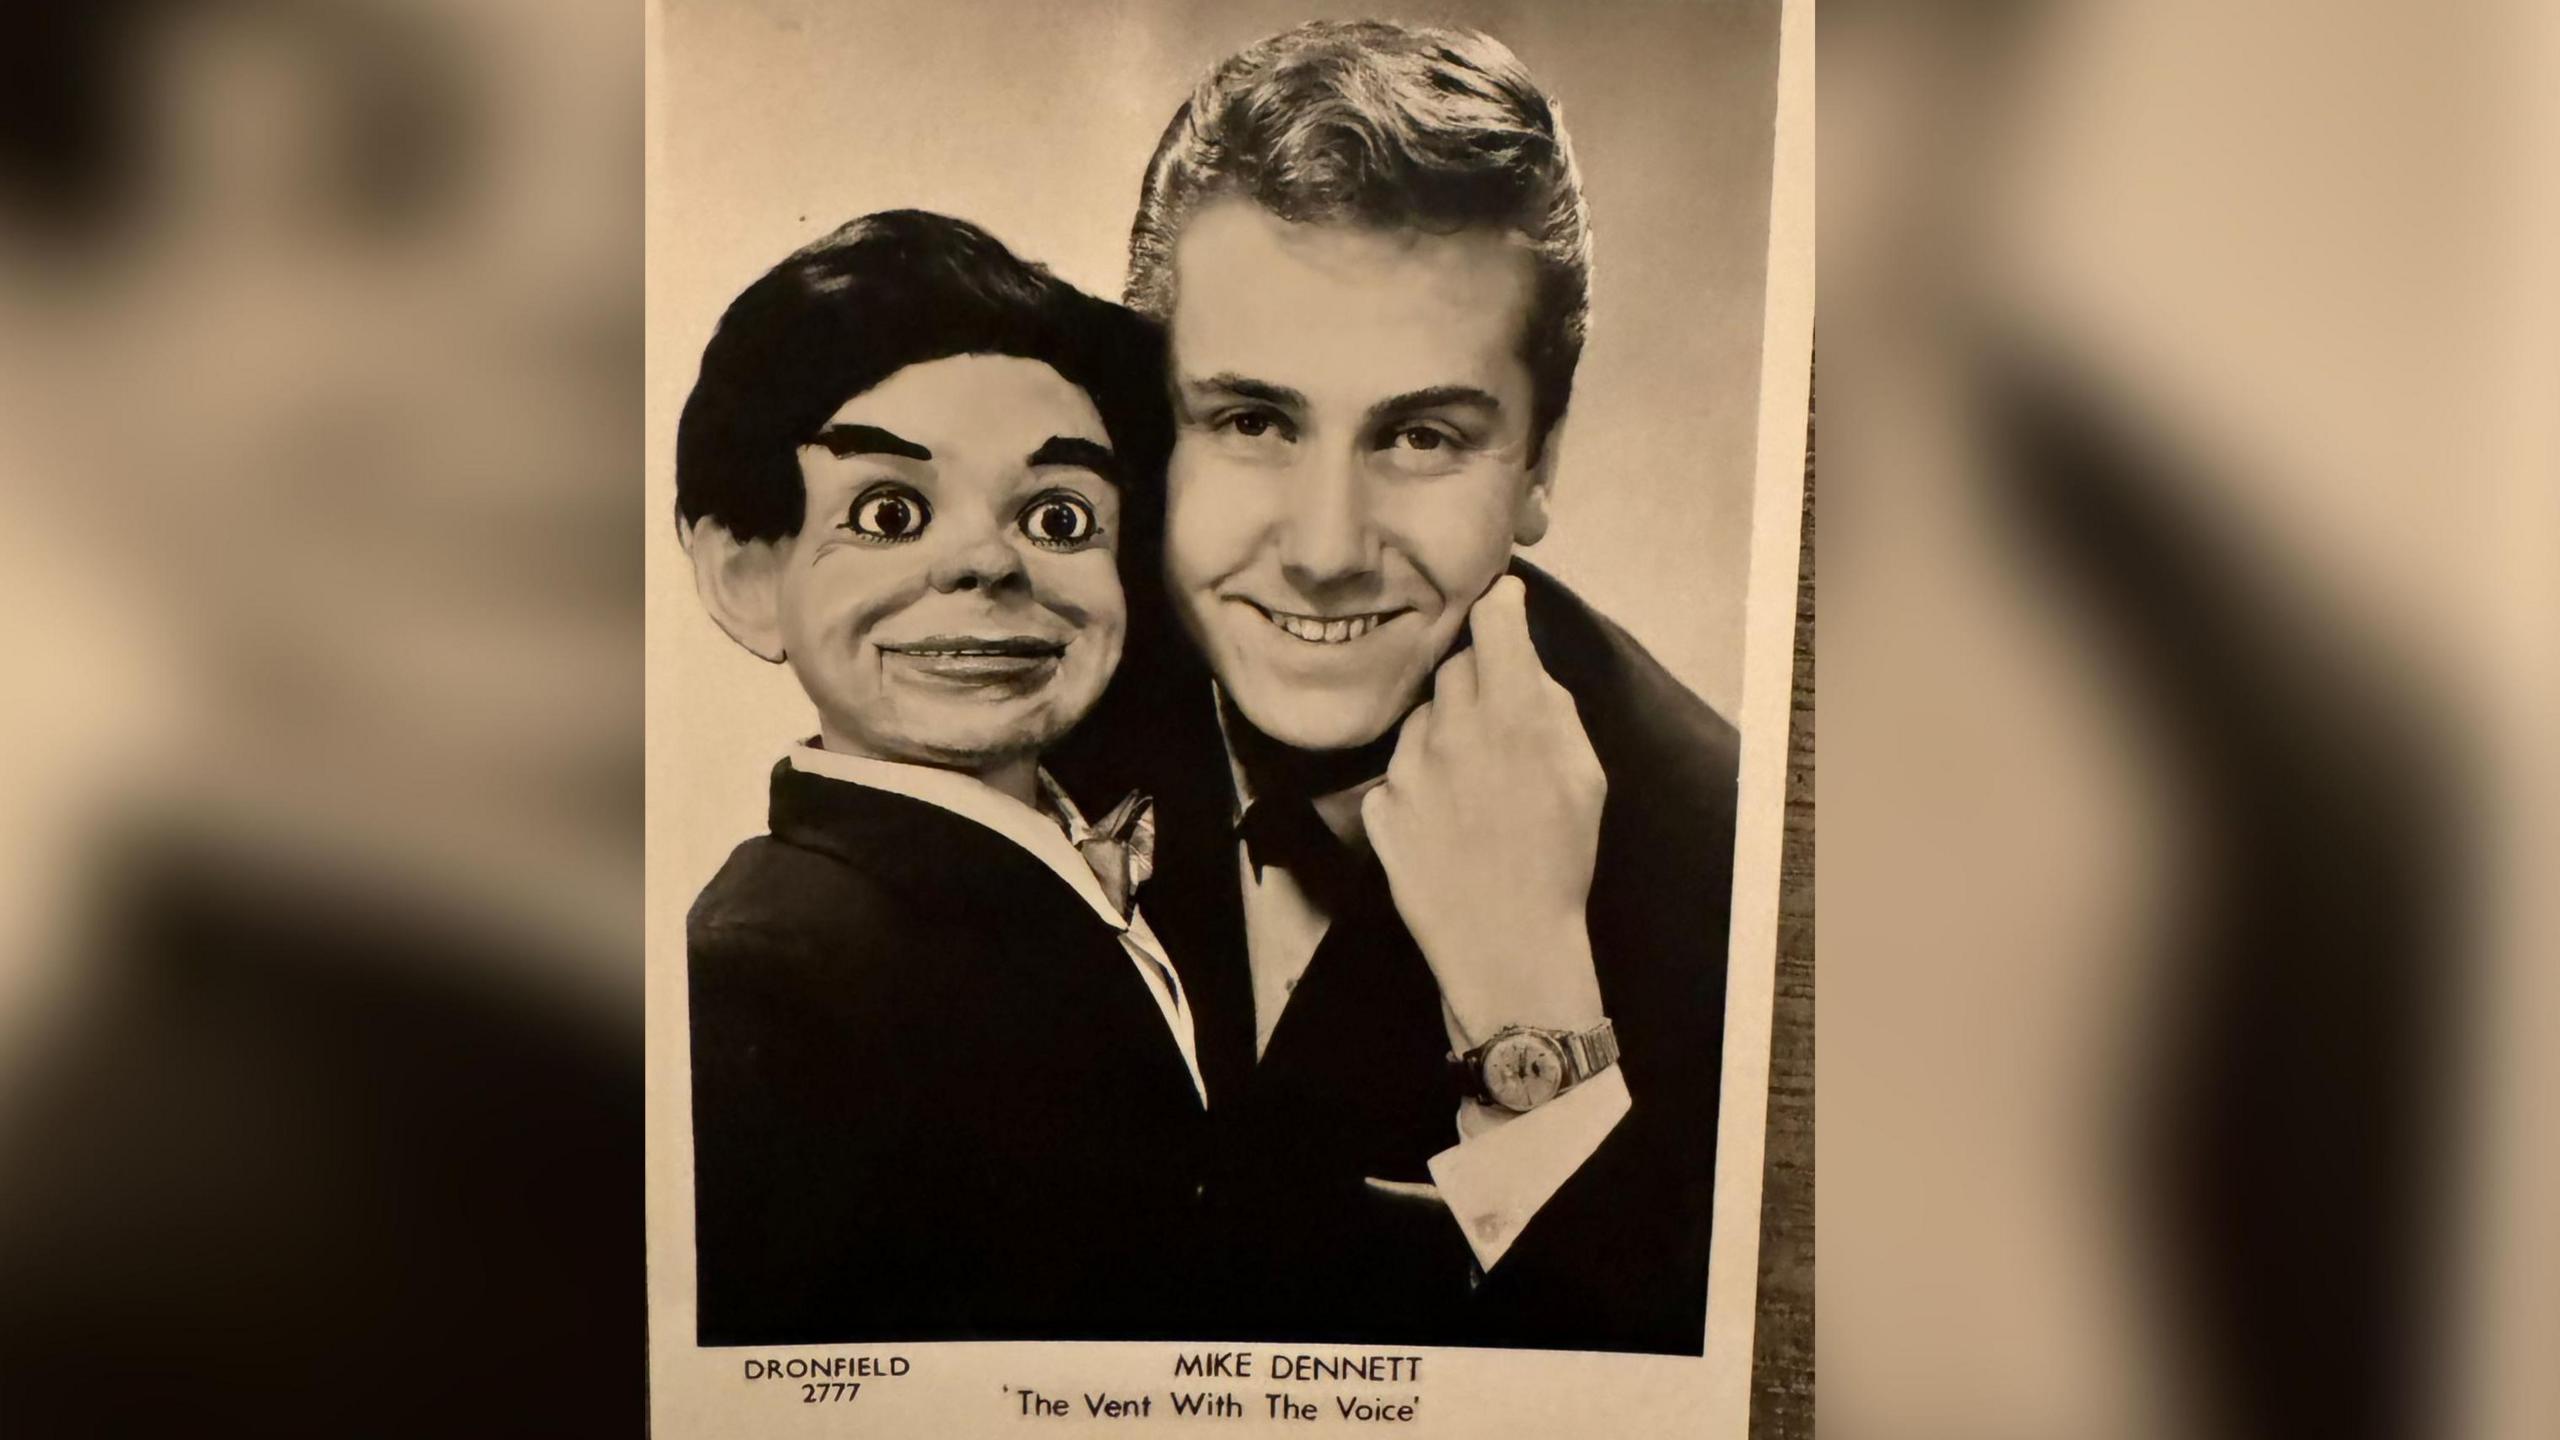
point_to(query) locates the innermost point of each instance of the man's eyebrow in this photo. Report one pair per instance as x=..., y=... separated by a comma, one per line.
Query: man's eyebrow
x=843, y=440
x=1080, y=452
x=1436, y=397
x=1245, y=387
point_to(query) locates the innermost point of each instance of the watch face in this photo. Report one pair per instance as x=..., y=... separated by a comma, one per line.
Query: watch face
x=1523, y=1071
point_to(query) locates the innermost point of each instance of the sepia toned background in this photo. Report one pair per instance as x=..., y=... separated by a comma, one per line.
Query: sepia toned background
x=784, y=118
x=775, y=122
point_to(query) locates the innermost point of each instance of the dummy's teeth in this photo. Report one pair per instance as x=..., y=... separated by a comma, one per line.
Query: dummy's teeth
x=1317, y=631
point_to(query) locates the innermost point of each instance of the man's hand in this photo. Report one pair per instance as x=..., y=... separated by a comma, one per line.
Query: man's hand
x=1487, y=825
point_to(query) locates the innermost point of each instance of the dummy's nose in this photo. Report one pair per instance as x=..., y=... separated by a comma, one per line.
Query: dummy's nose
x=981, y=560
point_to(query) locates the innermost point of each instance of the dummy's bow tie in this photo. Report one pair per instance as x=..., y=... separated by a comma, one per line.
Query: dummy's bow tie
x=1121, y=848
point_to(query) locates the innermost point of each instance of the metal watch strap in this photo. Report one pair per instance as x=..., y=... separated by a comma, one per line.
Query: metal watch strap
x=1587, y=1052
x=1591, y=1051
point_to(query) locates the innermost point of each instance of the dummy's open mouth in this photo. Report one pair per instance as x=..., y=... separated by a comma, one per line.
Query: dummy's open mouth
x=1014, y=647
x=985, y=665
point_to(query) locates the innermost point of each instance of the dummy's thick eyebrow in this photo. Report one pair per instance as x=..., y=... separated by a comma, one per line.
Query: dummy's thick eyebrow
x=1079, y=452
x=843, y=440
x=1245, y=387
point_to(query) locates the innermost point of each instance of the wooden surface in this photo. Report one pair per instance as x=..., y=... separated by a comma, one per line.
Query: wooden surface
x=1782, y=1346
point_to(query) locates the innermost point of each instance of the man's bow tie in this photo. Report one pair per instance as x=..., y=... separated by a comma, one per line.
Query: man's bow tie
x=1121, y=848
x=1286, y=831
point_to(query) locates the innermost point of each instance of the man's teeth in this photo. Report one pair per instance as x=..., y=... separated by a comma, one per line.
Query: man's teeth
x=1324, y=632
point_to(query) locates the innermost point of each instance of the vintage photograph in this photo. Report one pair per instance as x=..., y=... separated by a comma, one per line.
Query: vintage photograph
x=1200, y=573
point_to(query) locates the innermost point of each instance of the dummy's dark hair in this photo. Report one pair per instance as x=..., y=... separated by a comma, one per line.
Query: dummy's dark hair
x=884, y=292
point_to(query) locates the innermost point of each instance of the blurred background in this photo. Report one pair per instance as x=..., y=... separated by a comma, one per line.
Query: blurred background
x=2188, y=651
x=320, y=416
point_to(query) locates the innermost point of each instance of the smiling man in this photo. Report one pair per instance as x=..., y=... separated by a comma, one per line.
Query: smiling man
x=1469, y=843
x=1355, y=458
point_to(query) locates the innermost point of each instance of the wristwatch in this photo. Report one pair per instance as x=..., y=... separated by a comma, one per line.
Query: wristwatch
x=1522, y=1067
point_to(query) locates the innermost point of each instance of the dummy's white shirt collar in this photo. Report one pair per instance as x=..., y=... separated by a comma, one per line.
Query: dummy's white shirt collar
x=973, y=799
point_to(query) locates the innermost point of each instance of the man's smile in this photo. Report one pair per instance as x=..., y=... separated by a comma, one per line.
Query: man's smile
x=1324, y=629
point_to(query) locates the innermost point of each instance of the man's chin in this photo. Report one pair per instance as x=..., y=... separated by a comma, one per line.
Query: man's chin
x=1309, y=722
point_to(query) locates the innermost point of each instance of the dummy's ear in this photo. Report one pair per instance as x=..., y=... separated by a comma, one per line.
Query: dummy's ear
x=740, y=582
x=1529, y=513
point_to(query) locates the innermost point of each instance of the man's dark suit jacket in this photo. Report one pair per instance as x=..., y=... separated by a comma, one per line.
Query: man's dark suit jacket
x=931, y=1098
x=1353, y=1085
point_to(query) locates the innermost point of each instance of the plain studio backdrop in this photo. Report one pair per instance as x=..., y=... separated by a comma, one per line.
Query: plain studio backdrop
x=778, y=120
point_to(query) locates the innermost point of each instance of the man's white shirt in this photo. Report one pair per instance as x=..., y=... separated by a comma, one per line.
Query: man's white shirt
x=1504, y=1167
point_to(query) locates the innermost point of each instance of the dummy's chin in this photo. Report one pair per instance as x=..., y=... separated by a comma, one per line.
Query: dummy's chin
x=968, y=734
x=1028, y=729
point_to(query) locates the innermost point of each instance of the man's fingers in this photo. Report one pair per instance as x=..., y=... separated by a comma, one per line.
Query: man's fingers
x=1373, y=808
x=1455, y=684
x=1410, y=738
x=1507, y=665
x=1416, y=731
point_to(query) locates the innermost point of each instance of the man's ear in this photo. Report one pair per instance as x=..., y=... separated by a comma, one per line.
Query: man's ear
x=740, y=582
x=1529, y=515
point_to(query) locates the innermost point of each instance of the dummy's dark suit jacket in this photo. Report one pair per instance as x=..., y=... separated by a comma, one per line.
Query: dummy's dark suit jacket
x=1353, y=1085
x=931, y=1097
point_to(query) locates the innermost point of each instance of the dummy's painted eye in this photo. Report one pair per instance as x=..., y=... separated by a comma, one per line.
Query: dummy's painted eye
x=889, y=513
x=1060, y=519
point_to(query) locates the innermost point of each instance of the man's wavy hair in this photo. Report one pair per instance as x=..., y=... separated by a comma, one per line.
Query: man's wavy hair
x=1372, y=123
x=886, y=291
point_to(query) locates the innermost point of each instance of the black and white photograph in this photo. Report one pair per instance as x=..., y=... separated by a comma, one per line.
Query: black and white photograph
x=1201, y=670
x=1204, y=727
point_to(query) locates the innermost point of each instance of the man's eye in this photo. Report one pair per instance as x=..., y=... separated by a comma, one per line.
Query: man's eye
x=889, y=512
x=1059, y=519
x=1422, y=449
x=1253, y=424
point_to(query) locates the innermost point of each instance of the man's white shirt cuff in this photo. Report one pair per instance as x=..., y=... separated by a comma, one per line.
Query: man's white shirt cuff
x=1505, y=1167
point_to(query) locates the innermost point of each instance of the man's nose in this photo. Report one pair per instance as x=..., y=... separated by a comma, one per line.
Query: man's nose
x=981, y=557
x=1328, y=535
